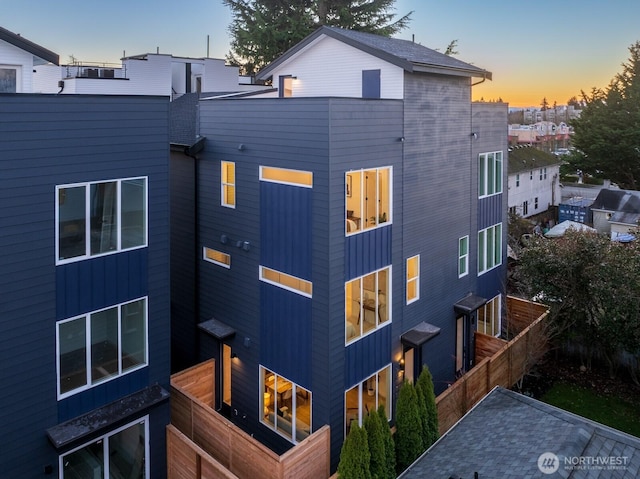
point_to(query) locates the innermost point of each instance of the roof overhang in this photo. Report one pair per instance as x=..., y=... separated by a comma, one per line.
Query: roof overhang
x=217, y=329
x=469, y=304
x=419, y=334
x=47, y=56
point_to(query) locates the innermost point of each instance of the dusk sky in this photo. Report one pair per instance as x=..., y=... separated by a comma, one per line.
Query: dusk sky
x=534, y=49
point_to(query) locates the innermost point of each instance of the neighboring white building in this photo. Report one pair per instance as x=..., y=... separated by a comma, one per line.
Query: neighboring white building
x=18, y=57
x=146, y=74
x=534, y=184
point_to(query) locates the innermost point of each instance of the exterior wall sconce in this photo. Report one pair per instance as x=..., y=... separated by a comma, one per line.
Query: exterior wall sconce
x=234, y=356
x=401, y=366
x=241, y=147
x=474, y=135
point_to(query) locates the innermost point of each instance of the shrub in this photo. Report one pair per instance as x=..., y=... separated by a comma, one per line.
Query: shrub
x=424, y=385
x=355, y=456
x=408, y=437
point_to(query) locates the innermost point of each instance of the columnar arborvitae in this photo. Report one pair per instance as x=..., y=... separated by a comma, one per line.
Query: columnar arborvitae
x=408, y=437
x=355, y=456
x=375, y=439
x=389, y=444
x=424, y=385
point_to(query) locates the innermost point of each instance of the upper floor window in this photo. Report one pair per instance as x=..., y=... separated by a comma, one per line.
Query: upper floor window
x=413, y=279
x=123, y=452
x=366, y=396
x=544, y=173
x=285, y=86
x=489, y=173
x=285, y=406
x=517, y=180
x=463, y=256
x=101, y=345
x=286, y=281
x=490, y=316
x=101, y=217
x=287, y=176
x=216, y=257
x=368, y=199
x=10, y=79
x=228, y=184
x=489, y=248
x=367, y=303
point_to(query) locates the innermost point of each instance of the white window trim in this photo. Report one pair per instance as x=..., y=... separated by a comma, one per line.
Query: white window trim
x=487, y=180
x=484, y=252
x=18, y=70
x=415, y=279
x=294, y=399
x=224, y=183
x=359, y=384
x=283, y=286
x=87, y=318
x=119, y=249
x=105, y=445
x=497, y=298
x=378, y=225
x=290, y=183
x=465, y=256
x=206, y=258
x=389, y=308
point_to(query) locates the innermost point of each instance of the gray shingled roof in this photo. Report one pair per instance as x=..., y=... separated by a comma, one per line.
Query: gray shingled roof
x=626, y=201
x=407, y=54
x=36, y=50
x=504, y=435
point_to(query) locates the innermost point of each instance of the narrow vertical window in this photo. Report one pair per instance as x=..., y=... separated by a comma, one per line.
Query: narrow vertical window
x=413, y=279
x=463, y=256
x=228, y=183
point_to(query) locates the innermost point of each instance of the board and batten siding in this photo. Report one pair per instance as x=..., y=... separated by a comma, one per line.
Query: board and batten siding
x=53, y=140
x=338, y=77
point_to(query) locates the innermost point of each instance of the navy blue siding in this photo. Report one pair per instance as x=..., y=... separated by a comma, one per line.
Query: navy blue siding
x=366, y=356
x=368, y=251
x=490, y=211
x=96, y=283
x=285, y=228
x=285, y=325
x=48, y=140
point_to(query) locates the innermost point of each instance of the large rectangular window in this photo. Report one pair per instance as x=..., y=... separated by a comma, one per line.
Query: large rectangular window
x=118, y=454
x=489, y=174
x=101, y=345
x=285, y=407
x=367, y=396
x=286, y=281
x=490, y=317
x=367, y=199
x=100, y=218
x=489, y=248
x=10, y=79
x=367, y=303
x=463, y=256
x=413, y=279
x=228, y=184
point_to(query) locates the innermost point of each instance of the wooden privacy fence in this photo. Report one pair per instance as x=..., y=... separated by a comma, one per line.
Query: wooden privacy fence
x=202, y=444
x=498, y=362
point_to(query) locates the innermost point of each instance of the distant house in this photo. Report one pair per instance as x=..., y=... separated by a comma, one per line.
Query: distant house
x=616, y=212
x=534, y=184
x=18, y=57
x=509, y=435
x=84, y=309
x=350, y=227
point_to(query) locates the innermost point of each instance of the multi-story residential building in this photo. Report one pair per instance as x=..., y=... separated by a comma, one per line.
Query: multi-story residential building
x=84, y=309
x=351, y=228
x=18, y=57
x=534, y=181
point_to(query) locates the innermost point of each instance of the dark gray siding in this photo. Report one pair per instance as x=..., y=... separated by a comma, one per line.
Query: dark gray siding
x=439, y=207
x=46, y=141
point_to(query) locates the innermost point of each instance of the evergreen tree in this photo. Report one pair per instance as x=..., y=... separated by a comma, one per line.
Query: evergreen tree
x=355, y=456
x=425, y=387
x=262, y=30
x=607, y=133
x=375, y=439
x=389, y=445
x=408, y=437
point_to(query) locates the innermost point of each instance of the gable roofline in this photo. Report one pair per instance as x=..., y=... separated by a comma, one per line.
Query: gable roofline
x=28, y=46
x=405, y=54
